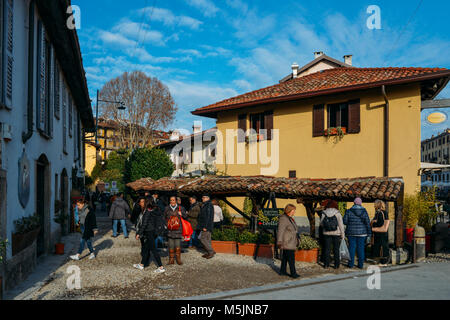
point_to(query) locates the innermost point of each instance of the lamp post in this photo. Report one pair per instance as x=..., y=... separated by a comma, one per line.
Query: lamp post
x=121, y=107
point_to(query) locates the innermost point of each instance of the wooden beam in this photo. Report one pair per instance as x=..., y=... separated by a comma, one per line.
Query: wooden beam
x=439, y=103
x=224, y=199
x=399, y=220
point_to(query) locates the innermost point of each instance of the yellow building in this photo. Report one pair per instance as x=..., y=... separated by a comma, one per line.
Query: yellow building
x=336, y=122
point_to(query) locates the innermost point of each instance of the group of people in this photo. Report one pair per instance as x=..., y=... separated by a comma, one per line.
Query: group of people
x=153, y=221
x=355, y=225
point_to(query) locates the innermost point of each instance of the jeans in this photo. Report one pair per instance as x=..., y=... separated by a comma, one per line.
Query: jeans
x=159, y=239
x=336, y=241
x=194, y=240
x=206, y=242
x=288, y=257
x=357, y=243
x=84, y=241
x=124, y=227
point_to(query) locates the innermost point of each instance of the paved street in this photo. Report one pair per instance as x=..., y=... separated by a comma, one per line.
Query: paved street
x=429, y=281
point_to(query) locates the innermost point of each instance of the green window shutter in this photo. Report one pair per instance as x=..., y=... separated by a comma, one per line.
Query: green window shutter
x=41, y=81
x=57, y=89
x=7, y=55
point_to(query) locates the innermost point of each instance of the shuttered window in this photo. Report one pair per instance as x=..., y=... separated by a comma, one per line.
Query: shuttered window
x=64, y=116
x=242, y=124
x=354, y=117
x=6, y=51
x=57, y=90
x=70, y=111
x=318, y=120
x=268, y=119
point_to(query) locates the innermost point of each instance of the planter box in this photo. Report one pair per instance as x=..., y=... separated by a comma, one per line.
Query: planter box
x=249, y=249
x=307, y=255
x=22, y=241
x=334, y=131
x=224, y=246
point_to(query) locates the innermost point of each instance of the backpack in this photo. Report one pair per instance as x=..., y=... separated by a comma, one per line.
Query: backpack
x=330, y=223
x=174, y=222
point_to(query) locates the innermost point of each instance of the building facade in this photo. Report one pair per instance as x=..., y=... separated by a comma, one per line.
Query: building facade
x=437, y=149
x=45, y=111
x=342, y=122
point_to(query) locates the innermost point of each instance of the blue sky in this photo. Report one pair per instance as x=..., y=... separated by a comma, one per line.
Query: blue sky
x=206, y=50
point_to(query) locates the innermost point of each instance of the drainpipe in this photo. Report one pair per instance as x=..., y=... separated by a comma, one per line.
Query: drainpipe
x=26, y=136
x=386, y=133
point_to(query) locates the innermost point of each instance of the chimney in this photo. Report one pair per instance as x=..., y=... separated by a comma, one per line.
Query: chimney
x=295, y=67
x=317, y=54
x=348, y=59
x=197, y=127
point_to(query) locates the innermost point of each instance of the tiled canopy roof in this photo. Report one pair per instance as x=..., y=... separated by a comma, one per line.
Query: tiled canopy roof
x=324, y=82
x=369, y=188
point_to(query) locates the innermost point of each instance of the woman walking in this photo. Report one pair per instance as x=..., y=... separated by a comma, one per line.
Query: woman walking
x=288, y=240
x=146, y=232
x=88, y=226
x=380, y=226
x=333, y=232
x=173, y=215
x=358, y=229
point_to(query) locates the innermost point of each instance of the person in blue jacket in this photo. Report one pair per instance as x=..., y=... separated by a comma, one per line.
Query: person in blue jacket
x=358, y=230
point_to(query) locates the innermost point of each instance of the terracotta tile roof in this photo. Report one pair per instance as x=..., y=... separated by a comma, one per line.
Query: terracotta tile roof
x=325, y=82
x=368, y=188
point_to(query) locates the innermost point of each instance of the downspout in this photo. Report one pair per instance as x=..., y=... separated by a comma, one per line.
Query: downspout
x=386, y=133
x=26, y=136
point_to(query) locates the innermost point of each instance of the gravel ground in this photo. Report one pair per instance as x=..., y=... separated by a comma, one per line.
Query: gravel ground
x=441, y=257
x=112, y=276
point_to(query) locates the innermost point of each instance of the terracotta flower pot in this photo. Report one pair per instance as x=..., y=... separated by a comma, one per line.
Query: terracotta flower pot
x=229, y=247
x=265, y=251
x=59, y=248
x=247, y=249
x=307, y=255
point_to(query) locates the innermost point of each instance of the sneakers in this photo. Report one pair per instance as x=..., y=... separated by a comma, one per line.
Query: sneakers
x=138, y=266
x=92, y=256
x=160, y=270
x=75, y=257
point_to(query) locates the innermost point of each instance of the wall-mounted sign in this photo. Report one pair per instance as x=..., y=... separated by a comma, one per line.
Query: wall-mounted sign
x=24, y=180
x=436, y=117
x=268, y=218
x=107, y=185
x=114, y=184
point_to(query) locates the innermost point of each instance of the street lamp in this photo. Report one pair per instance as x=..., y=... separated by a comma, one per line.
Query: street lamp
x=121, y=107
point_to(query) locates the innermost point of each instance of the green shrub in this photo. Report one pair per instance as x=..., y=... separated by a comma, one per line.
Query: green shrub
x=247, y=237
x=308, y=243
x=3, y=245
x=419, y=208
x=265, y=238
x=148, y=163
x=217, y=235
x=26, y=224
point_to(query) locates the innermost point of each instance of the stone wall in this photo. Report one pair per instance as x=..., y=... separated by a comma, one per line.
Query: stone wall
x=19, y=267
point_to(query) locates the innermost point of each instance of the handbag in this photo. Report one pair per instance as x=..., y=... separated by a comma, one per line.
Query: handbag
x=187, y=230
x=173, y=223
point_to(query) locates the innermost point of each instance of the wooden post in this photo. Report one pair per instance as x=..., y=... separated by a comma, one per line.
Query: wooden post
x=224, y=199
x=399, y=221
x=256, y=201
x=310, y=206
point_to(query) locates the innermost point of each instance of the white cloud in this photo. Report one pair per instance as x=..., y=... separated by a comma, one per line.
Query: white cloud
x=139, y=32
x=169, y=19
x=207, y=7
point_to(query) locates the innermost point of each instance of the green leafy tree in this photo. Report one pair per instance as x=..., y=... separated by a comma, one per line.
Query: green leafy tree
x=113, y=175
x=152, y=163
x=96, y=171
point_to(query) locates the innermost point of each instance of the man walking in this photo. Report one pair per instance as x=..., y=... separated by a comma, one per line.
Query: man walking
x=193, y=214
x=205, y=225
x=118, y=213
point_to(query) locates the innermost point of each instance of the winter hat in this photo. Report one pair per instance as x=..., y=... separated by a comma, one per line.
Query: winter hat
x=358, y=201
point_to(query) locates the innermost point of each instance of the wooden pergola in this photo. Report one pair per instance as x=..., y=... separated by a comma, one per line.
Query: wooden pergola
x=264, y=190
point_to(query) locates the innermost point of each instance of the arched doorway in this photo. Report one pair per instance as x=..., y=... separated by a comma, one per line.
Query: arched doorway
x=43, y=203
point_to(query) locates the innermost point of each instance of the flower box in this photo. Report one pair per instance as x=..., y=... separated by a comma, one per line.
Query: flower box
x=307, y=255
x=229, y=247
x=249, y=249
x=334, y=131
x=21, y=241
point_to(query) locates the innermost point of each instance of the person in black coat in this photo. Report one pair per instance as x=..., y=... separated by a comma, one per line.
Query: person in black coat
x=139, y=207
x=146, y=229
x=206, y=225
x=88, y=226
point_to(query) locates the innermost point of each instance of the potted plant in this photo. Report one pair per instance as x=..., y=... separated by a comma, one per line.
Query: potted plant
x=265, y=242
x=412, y=206
x=61, y=218
x=224, y=240
x=3, y=245
x=336, y=131
x=26, y=231
x=308, y=249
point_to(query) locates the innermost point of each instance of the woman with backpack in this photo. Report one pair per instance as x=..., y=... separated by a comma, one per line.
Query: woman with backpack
x=333, y=233
x=380, y=226
x=173, y=215
x=146, y=229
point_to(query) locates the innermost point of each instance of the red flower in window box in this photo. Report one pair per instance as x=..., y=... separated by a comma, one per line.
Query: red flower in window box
x=339, y=131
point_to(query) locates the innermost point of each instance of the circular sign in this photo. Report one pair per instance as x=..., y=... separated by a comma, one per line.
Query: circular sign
x=436, y=117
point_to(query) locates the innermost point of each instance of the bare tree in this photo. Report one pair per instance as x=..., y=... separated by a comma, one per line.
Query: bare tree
x=149, y=106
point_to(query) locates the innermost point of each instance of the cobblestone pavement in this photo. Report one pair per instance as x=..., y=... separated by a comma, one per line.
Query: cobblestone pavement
x=112, y=276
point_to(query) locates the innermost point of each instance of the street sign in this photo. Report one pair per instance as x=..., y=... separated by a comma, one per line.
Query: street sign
x=107, y=185
x=268, y=218
x=114, y=184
